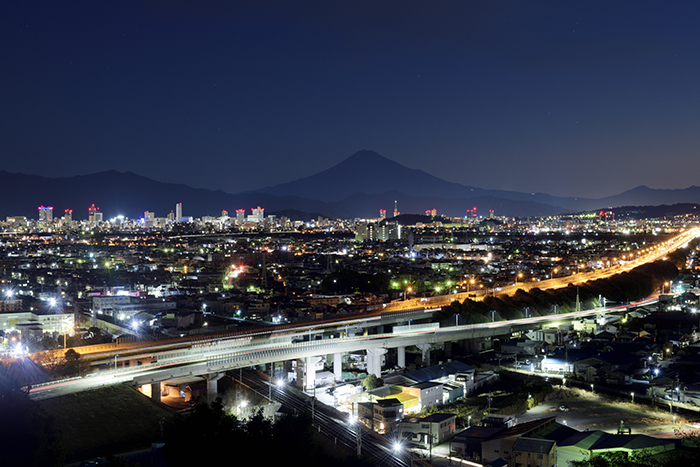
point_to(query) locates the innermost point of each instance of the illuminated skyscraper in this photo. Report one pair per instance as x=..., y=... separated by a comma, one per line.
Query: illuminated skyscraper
x=240, y=216
x=396, y=208
x=258, y=214
x=45, y=213
x=67, y=216
x=178, y=212
x=149, y=218
x=92, y=211
x=382, y=214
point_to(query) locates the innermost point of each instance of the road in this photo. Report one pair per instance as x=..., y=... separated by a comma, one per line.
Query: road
x=219, y=356
x=650, y=254
x=212, y=354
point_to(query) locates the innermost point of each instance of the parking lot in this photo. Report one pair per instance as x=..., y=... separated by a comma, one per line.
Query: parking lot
x=590, y=411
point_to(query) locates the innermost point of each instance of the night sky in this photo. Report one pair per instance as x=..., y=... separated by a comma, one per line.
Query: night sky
x=569, y=98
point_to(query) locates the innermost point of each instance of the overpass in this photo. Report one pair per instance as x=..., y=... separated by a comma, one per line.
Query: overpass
x=210, y=358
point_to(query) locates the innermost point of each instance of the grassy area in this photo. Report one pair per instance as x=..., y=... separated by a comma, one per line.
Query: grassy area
x=106, y=421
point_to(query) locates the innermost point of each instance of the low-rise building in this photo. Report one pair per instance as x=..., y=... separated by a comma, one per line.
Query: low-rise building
x=531, y=452
x=428, y=431
x=382, y=416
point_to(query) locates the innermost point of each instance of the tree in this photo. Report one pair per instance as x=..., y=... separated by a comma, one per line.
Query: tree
x=73, y=364
x=372, y=382
x=28, y=436
x=210, y=434
x=640, y=458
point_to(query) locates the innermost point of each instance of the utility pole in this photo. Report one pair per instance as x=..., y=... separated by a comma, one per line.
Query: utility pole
x=578, y=302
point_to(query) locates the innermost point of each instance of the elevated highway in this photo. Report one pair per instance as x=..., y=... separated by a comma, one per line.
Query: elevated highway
x=213, y=357
x=209, y=356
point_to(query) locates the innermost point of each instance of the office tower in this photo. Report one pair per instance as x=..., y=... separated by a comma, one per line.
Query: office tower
x=92, y=211
x=258, y=214
x=382, y=214
x=149, y=218
x=67, y=216
x=45, y=213
x=396, y=208
x=178, y=212
x=240, y=216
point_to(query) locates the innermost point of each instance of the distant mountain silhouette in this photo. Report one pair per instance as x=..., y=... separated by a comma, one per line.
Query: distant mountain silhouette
x=645, y=196
x=130, y=195
x=359, y=187
x=366, y=181
x=371, y=173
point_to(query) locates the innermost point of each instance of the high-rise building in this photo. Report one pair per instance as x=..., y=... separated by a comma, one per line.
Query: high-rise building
x=378, y=231
x=149, y=218
x=92, y=211
x=67, y=216
x=240, y=216
x=178, y=212
x=258, y=214
x=382, y=214
x=45, y=213
x=396, y=208
x=388, y=231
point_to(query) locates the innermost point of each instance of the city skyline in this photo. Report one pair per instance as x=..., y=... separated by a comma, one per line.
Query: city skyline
x=586, y=100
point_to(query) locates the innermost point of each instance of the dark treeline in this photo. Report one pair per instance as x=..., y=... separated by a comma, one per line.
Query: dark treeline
x=626, y=287
x=210, y=435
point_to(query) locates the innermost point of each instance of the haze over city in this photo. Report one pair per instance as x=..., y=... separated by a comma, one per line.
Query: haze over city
x=572, y=99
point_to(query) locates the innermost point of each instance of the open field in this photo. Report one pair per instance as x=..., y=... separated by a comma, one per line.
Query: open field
x=591, y=411
x=106, y=421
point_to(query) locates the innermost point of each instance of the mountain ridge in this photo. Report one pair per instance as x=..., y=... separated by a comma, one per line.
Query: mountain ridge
x=358, y=186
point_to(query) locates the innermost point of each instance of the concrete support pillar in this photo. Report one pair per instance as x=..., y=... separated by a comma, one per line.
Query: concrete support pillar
x=310, y=373
x=213, y=385
x=299, y=378
x=425, y=349
x=401, y=356
x=338, y=366
x=155, y=391
x=374, y=361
